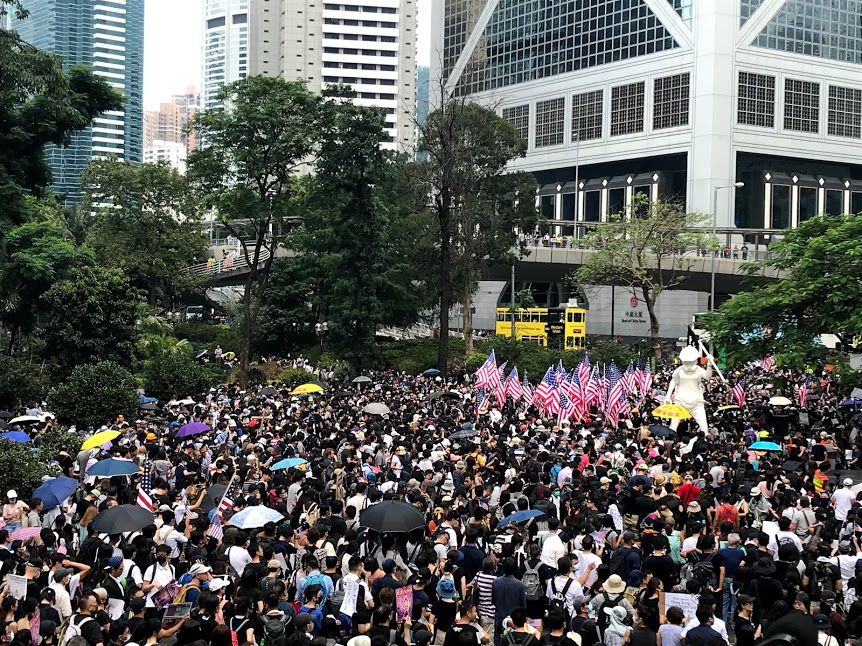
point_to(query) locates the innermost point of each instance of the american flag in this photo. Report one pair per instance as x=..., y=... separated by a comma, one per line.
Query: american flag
x=487, y=372
x=767, y=363
x=616, y=393
x=629, y=380
x=561, y=372
x=738, y=392
x=565, y=411
x=480, y=400
x=500, y=385
x=544, y=388
x=552, y=401
x=527, y=391
x=639, y=374
x=584, y=369
x=803, y=391
x=646, y=379
x=215, y=530
x=575, y=394
x=144, y=498
x=592, y=392
x=514, y=390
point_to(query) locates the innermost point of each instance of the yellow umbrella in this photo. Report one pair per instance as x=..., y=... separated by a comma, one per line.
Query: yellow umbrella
x=671, y=411
x=305, y=389
x=728, y=407
x=99, y=439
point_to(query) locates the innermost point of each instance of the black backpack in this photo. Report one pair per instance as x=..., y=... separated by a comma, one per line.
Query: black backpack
x=557, y=602
x=704, y=572
x=617, y=564
x=603, y=619
x=821, y=579
x=274, y=630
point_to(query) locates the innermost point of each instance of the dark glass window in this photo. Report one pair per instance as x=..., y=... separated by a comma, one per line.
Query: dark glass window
x=807, y=203
x=834, y=202
x=780, y=207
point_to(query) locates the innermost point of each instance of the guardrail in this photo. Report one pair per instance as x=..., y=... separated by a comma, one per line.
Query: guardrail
x=226, y=265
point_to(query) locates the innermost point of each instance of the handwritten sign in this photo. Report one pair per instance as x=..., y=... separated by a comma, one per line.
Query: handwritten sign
x=351, y=592
x=688, y=602
x=17, y=586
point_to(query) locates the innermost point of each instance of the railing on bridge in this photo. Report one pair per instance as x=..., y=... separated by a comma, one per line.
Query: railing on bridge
x=230, y=263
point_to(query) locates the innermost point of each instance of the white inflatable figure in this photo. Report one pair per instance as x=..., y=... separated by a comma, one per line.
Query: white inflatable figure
x=685, y=387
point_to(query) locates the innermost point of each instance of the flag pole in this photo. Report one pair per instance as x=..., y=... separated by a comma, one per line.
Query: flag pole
x=710, y=359
x=224, y=495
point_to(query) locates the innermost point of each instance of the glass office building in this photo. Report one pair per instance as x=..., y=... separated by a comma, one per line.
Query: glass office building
x=108, y=36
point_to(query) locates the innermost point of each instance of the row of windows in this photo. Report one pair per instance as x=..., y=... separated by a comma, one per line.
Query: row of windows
x=360, y=23
x=364, y=38
x=359, y=81
x=756, y=106
x=360, y=52
x=355, y=66
x=670, y=110
x=364, y=9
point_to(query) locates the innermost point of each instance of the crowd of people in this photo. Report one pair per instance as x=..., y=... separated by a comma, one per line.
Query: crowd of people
x=532, y=534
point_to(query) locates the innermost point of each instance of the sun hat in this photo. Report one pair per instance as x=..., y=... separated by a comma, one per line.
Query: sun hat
x=614, y=584
x=446, y=588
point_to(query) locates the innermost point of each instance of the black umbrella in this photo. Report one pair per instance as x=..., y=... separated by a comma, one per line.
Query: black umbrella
x=392, y=516
x=121, y=519
x=443, y=393
x=791, y=465
x=212, y=497
x=148, y=407
x=464, y=434
x=266, y=392
x=5, y=414
x=661, y=431
x=343, y=393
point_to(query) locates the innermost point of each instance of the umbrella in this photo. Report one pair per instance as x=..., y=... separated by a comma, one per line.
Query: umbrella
x=728, y=407
x=99, y=439
x=520, y=517
x=287, y=463
x=5, y=414
x=56, y=490
x=444, y=393
x=266, y=392
x=121, y=519
x=192, y=428
x=15, y=436
x=113, y=467
x=672, y=411
x=431, y=372
x=661, y=431
x=464, y=434
x=212, y=498
x=343, y=393
x=201, y=353
x=254, y=517
x=764, y=446
x=394, y=516
x=791, y=465
x=779, y=401
x=24, y=419
x=25, y=533
x=149, y=407
x=846, y=402
x=376, y=409
x=306, y=389
x=361, y=379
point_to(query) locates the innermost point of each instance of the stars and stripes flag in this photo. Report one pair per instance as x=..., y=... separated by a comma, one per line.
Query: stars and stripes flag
x=738, y=392
x=616, y=393
x=592, y=392
x=514, y=390
x=561, y=372
x=629, y=380
x=604, y=388
x=543, y=389
x=575, y=394
x=487, y=372
x=646, y=380
x=144, y=498
x=803, y=391
x=552, y=400
x=584, y=369
x=767, y=362
x=527, y=391
x=639, y=374
x=215, y=529
x=500, y=385
x=481, y=394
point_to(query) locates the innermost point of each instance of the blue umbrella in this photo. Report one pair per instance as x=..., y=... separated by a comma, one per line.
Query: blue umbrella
x=254, y=517
x=56, y=490
x=143, y=399
x=661, y=431
x=113, y=467
x=431, y=372
x=851, y=402
x=520, y=517
x=287, y=463
x=764, y=446
x=16, y=436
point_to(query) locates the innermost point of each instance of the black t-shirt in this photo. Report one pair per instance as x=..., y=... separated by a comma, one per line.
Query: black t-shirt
x=458, y=629
x=662, y=567
x=90, y=630
x=555, y=640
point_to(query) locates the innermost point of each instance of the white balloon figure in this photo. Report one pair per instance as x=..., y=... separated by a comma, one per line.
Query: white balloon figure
x=685, y=383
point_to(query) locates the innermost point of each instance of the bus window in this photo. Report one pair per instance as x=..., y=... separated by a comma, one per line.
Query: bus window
x=568, y=317
x=578, y=317
x=501, y=316
x=570, y=342
x=543, y=317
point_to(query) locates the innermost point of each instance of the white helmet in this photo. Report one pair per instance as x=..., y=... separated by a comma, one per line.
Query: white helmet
x=12, y=494
x=689, y=354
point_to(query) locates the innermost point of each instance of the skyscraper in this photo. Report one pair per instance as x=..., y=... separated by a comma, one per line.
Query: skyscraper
x=169, y=122
x=670, y=98
x=371, y=47
x=108, y=36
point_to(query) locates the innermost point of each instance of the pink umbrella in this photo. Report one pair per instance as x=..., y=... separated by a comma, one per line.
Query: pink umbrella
x=25, y=533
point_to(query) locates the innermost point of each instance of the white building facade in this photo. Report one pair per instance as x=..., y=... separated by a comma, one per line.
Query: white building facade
x=226, y=47
x=172, y=152
x=670, y=98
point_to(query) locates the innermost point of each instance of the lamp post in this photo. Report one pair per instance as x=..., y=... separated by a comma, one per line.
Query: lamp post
x=321, y=329
x=715, y=235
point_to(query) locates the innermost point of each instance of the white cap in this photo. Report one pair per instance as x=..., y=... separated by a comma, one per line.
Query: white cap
x=12, y=494
x=848, y=482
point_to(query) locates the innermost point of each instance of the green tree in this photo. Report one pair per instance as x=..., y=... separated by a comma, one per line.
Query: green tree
x=152, y=228
x=39, y=104
x=22, y=469
x=462, y=181
x=817, y=293
x=175, y=374
x=94, y=394
x=247, y=174
x=644, y=249
x=287, y=316
x=91, y=316
x=20, y=382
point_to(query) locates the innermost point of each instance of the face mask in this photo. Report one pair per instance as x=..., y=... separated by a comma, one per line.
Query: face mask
x=162, y=560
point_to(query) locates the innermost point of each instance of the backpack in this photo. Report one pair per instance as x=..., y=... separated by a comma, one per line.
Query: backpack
x=704, y=572
x=180, y=596
x=426, y=549
x=603, y=619
x=317, y=579
x=510, y=640
x=72, y=629
x=273, y=629
x=234, y=636
x=532, y=584
x=617, y=564
x=821, y=579
x=310, y=516
x=558, y=601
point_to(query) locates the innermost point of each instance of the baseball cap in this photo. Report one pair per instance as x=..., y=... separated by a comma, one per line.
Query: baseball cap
x=114, y=562
x=848, y=482
x=61, y=573
x=303, y=619
x=581, y=601
x=388, y=566
x=743, y=599
x=217, y=584
x=199, y=568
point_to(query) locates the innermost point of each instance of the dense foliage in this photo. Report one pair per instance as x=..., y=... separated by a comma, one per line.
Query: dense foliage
x=94, y=394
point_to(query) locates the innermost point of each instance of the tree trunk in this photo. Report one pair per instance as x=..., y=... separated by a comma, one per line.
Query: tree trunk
x=13, y=335
x=649, y=299
x=247, y=328
x=153, y=298
x=445, y=295
x=467, y=307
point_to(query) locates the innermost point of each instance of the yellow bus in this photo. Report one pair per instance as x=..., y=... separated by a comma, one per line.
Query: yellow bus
x=557, y=326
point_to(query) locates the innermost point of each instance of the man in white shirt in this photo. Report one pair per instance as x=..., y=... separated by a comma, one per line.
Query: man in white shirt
x=717, y=625
x=158, y=575
x=59, y=583
x=842, y=500
x=784, y=535
x=585, y=558
x=564, y=584
x=358, y=501
x=168, y=535
x=356, y=571
x=552, y=546
x=846, y=560
x=238, y=553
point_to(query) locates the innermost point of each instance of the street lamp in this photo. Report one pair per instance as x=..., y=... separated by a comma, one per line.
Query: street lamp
x=715, y=236
x=322, y=329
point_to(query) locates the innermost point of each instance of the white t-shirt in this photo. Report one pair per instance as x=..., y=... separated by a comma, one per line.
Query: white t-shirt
x=157, y=574
x=575, y=590
x=584, y=560
x=717, y=625
x=552, y=550
x=843, y=499
x=239, y=558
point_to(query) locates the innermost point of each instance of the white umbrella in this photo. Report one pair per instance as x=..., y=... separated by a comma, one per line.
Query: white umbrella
x=362, y=379
x=779, y=401
x=376, y=409
x=24, y=419
x=254, y=517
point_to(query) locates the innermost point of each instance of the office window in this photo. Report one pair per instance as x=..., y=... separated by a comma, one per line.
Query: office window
x=627, y=109
x=550, y=116
x=519, y=116
x=587, y=115
x=801, y=105
x=670, y=101
x=845, y=112
x=756, y=103
x=746, y=9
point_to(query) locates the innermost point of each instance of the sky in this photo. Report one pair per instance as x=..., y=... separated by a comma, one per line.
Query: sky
x=173, y=32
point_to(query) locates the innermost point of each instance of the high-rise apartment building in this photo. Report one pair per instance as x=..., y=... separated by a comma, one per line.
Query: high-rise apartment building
x=172, y=152
x=107, y=35
x=369, y=46
x=671, y=98
x=170, y=121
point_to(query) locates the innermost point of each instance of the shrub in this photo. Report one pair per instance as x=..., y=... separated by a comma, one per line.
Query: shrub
x=21, y=468
x=293, y=377
x=94, y=394
x=176, y=375
x=60, y=439
x=20, y=382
